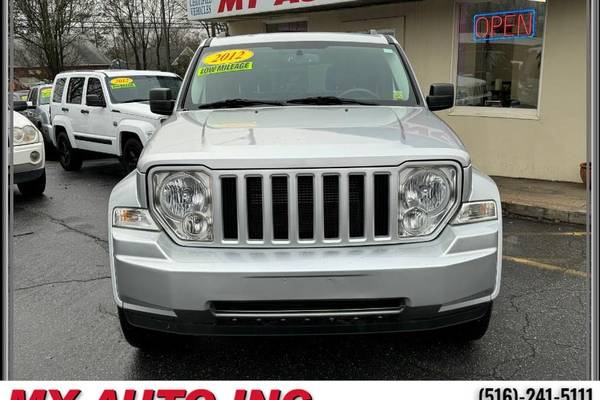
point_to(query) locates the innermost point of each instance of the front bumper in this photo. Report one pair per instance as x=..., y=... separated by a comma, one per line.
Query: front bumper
x=163, y=286
x=24, y=166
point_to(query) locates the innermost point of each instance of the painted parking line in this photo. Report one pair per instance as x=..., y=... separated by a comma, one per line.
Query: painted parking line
x=545, y=266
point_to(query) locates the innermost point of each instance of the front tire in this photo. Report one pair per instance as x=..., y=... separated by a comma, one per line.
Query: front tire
x=131, y=154
x=70, y=159
x=33, y=188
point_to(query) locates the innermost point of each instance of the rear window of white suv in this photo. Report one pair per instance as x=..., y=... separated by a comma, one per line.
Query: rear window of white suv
x=59, y=86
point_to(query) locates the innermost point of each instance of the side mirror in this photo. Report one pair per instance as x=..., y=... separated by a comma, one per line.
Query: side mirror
x=19, y=105
x=441, y=96
x=162, y=101
x=93, y=100
x=30, y=105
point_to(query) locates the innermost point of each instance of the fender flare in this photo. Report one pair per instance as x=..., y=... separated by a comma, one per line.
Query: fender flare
x=64, y=123
x=142, y=129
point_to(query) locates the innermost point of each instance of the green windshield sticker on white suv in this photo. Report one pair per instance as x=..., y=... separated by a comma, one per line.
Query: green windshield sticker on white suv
x=221, y=68
x=399, y=95
x=45, y=93
x=121, y=83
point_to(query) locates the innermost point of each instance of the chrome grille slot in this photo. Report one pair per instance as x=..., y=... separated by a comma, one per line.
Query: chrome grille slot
x=331, y=206
x=254, y=199
x=279, y=202
x=229, y=205
x=381, y=200
x=356, y=205
x=306, y=204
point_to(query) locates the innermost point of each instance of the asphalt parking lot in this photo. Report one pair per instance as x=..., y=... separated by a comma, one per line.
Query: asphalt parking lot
x=65, y=325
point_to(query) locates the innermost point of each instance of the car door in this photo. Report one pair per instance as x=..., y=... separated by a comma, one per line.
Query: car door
x=74, y=109
x=101, y=133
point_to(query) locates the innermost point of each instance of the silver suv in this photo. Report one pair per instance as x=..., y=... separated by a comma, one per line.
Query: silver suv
x=303, y=185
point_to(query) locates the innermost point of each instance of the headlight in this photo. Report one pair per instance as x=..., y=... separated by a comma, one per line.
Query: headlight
x=183, y=201
x=425, y=196
x=25, y=135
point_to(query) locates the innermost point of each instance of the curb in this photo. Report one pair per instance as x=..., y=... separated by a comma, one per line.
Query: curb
x=544, y=214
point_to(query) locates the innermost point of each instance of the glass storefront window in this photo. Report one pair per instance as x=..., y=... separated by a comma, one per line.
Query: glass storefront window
x=499, y=53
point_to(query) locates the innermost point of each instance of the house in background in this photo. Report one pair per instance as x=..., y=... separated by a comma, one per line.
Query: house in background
x=28, y=71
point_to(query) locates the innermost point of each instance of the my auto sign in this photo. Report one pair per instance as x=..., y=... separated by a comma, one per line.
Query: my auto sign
x=215, y=9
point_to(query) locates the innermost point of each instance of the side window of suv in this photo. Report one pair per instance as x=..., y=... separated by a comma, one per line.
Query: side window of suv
x=75, y=91
x=94, y=86
x=58, y=90
x=33, y=95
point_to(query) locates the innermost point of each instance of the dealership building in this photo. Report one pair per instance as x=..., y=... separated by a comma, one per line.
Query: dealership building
x=519, y=67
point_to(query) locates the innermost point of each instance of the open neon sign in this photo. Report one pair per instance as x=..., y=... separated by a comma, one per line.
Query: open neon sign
x=504, y=25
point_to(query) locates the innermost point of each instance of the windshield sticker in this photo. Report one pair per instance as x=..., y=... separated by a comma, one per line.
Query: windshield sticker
x=218, y=69
x=46, y=92
x=120, y=83
x=399, y=95
x=228, y=57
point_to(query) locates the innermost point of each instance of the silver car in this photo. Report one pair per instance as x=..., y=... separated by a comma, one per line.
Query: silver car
x=38, y=111
x=303, y=185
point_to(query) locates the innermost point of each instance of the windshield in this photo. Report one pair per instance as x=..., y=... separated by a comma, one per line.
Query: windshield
x=45, y=94
x=136, y=88
x=320, y=73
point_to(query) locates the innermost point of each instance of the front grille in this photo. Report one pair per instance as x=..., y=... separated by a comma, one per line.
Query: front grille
x=305, y=207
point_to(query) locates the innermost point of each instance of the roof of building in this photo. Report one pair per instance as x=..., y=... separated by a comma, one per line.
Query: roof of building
x=83, y=52
x=298, y=37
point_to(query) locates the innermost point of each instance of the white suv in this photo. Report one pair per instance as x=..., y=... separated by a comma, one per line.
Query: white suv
x=105, y=112
x=28, y=156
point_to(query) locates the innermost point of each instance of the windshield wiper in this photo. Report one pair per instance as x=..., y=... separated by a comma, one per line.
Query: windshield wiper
x=239, y=103
x=135, y=101
x=328, y=100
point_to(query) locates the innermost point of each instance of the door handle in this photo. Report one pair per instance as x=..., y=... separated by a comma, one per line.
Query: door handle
x=85, y=112
x=65, y=109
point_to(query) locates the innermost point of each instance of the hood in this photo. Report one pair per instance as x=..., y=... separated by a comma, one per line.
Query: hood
x=19, y=120
x=137, y=109
x=302, y=137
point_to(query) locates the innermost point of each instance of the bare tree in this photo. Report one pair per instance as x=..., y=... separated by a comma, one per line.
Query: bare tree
x=171, y=11
x=50, y=27
x=214, y=28
x=157, y=28
x=132, y=18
